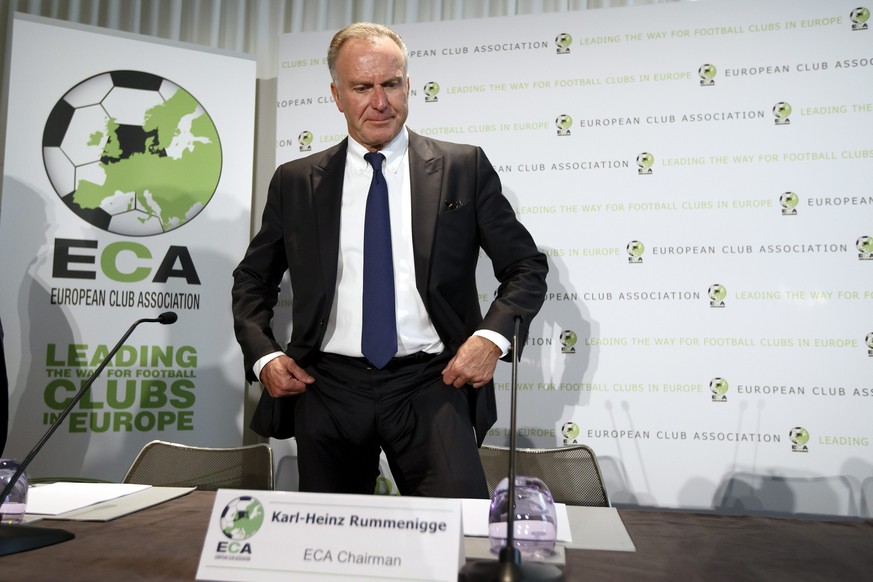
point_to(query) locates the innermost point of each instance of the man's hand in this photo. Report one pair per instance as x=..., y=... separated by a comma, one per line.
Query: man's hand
x=283, y=377
x=474, y=363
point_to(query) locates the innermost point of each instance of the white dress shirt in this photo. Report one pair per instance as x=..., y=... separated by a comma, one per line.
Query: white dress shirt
x=415, y=332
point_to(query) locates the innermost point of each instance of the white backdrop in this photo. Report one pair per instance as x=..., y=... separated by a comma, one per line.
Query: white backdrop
x=699, y=176
x=71, y=288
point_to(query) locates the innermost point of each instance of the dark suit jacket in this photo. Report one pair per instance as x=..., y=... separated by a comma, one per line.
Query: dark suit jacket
x=457, y=207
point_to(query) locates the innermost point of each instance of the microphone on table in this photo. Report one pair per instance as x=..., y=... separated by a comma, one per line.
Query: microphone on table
x=509, y=566
x=16, y=538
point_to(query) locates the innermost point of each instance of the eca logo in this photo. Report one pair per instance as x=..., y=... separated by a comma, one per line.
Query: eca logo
x=239, y=521
x=234, y=548
x=122, y=261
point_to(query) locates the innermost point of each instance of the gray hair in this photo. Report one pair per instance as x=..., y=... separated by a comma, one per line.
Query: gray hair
x=365, y=31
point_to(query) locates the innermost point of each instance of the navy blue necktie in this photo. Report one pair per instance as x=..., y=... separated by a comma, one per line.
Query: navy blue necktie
x=379, y=325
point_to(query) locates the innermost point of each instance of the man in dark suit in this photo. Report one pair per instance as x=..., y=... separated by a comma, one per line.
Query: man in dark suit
x=431, y=404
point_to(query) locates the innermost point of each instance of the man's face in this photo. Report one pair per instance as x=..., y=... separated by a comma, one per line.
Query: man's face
x=371, y=90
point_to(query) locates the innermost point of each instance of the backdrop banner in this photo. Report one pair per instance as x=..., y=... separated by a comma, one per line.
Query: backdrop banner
x=126, y=194
x=698, y=174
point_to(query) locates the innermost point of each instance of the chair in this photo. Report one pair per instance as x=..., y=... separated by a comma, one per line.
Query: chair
x=161, y=463
x=571, y=472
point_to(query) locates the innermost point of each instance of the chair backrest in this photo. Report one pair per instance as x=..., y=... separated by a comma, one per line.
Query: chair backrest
x=161, y=463
x=571, y=472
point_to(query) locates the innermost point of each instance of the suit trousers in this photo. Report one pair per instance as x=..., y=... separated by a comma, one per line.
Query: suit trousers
x=353, y=410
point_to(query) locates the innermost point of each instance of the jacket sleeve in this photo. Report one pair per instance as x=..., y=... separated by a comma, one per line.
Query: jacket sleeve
x=519, y=266
x=256, y=283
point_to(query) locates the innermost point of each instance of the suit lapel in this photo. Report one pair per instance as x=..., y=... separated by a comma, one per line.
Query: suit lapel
x=426, y=179
x=327, y=192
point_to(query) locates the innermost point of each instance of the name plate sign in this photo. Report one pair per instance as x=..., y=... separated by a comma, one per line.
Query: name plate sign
x=284, y=535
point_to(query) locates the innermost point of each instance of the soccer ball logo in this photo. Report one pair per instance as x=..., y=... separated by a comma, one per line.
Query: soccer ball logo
x=789, y=201
x=570, y=431
x=717, y=292
x=242, y=518
x=563, y=41
x=431, y=90
x=782, y=111
x=568, y=338
x=799, y=436
x=568, y=341
x=635, y=250
x=304, y=138
x=132, y=153
x=645, y=161
x=859, y=17
x=707, y=73
x=563, y=122
x=719, y=388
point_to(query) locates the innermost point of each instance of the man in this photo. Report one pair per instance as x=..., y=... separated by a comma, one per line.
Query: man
x=432, y=403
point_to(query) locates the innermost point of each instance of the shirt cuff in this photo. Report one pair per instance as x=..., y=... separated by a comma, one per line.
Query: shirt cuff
x=498, y=340
x=259, y=365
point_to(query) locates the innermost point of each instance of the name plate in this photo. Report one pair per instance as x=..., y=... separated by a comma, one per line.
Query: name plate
x=284, y=535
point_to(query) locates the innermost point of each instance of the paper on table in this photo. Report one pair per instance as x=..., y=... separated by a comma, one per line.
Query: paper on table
x=475, y=515
x=57, y=498
x=598, y=528
x=125, y=505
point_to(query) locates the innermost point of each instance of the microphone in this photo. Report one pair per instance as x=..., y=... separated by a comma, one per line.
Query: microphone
x=16, y=538
x=166, y=318
x=509, y=567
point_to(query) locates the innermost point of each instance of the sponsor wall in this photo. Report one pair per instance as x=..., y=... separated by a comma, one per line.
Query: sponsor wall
x=126, y=194
x=698, y=174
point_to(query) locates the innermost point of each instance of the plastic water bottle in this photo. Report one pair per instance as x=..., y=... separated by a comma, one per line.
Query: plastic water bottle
x=13, y=507
x=535, y=525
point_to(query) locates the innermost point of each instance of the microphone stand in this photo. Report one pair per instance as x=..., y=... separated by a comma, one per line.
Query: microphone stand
x=16, y=538
x=509, y=567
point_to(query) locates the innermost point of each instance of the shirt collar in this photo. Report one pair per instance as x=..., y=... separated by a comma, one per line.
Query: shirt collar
x=394, y=153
